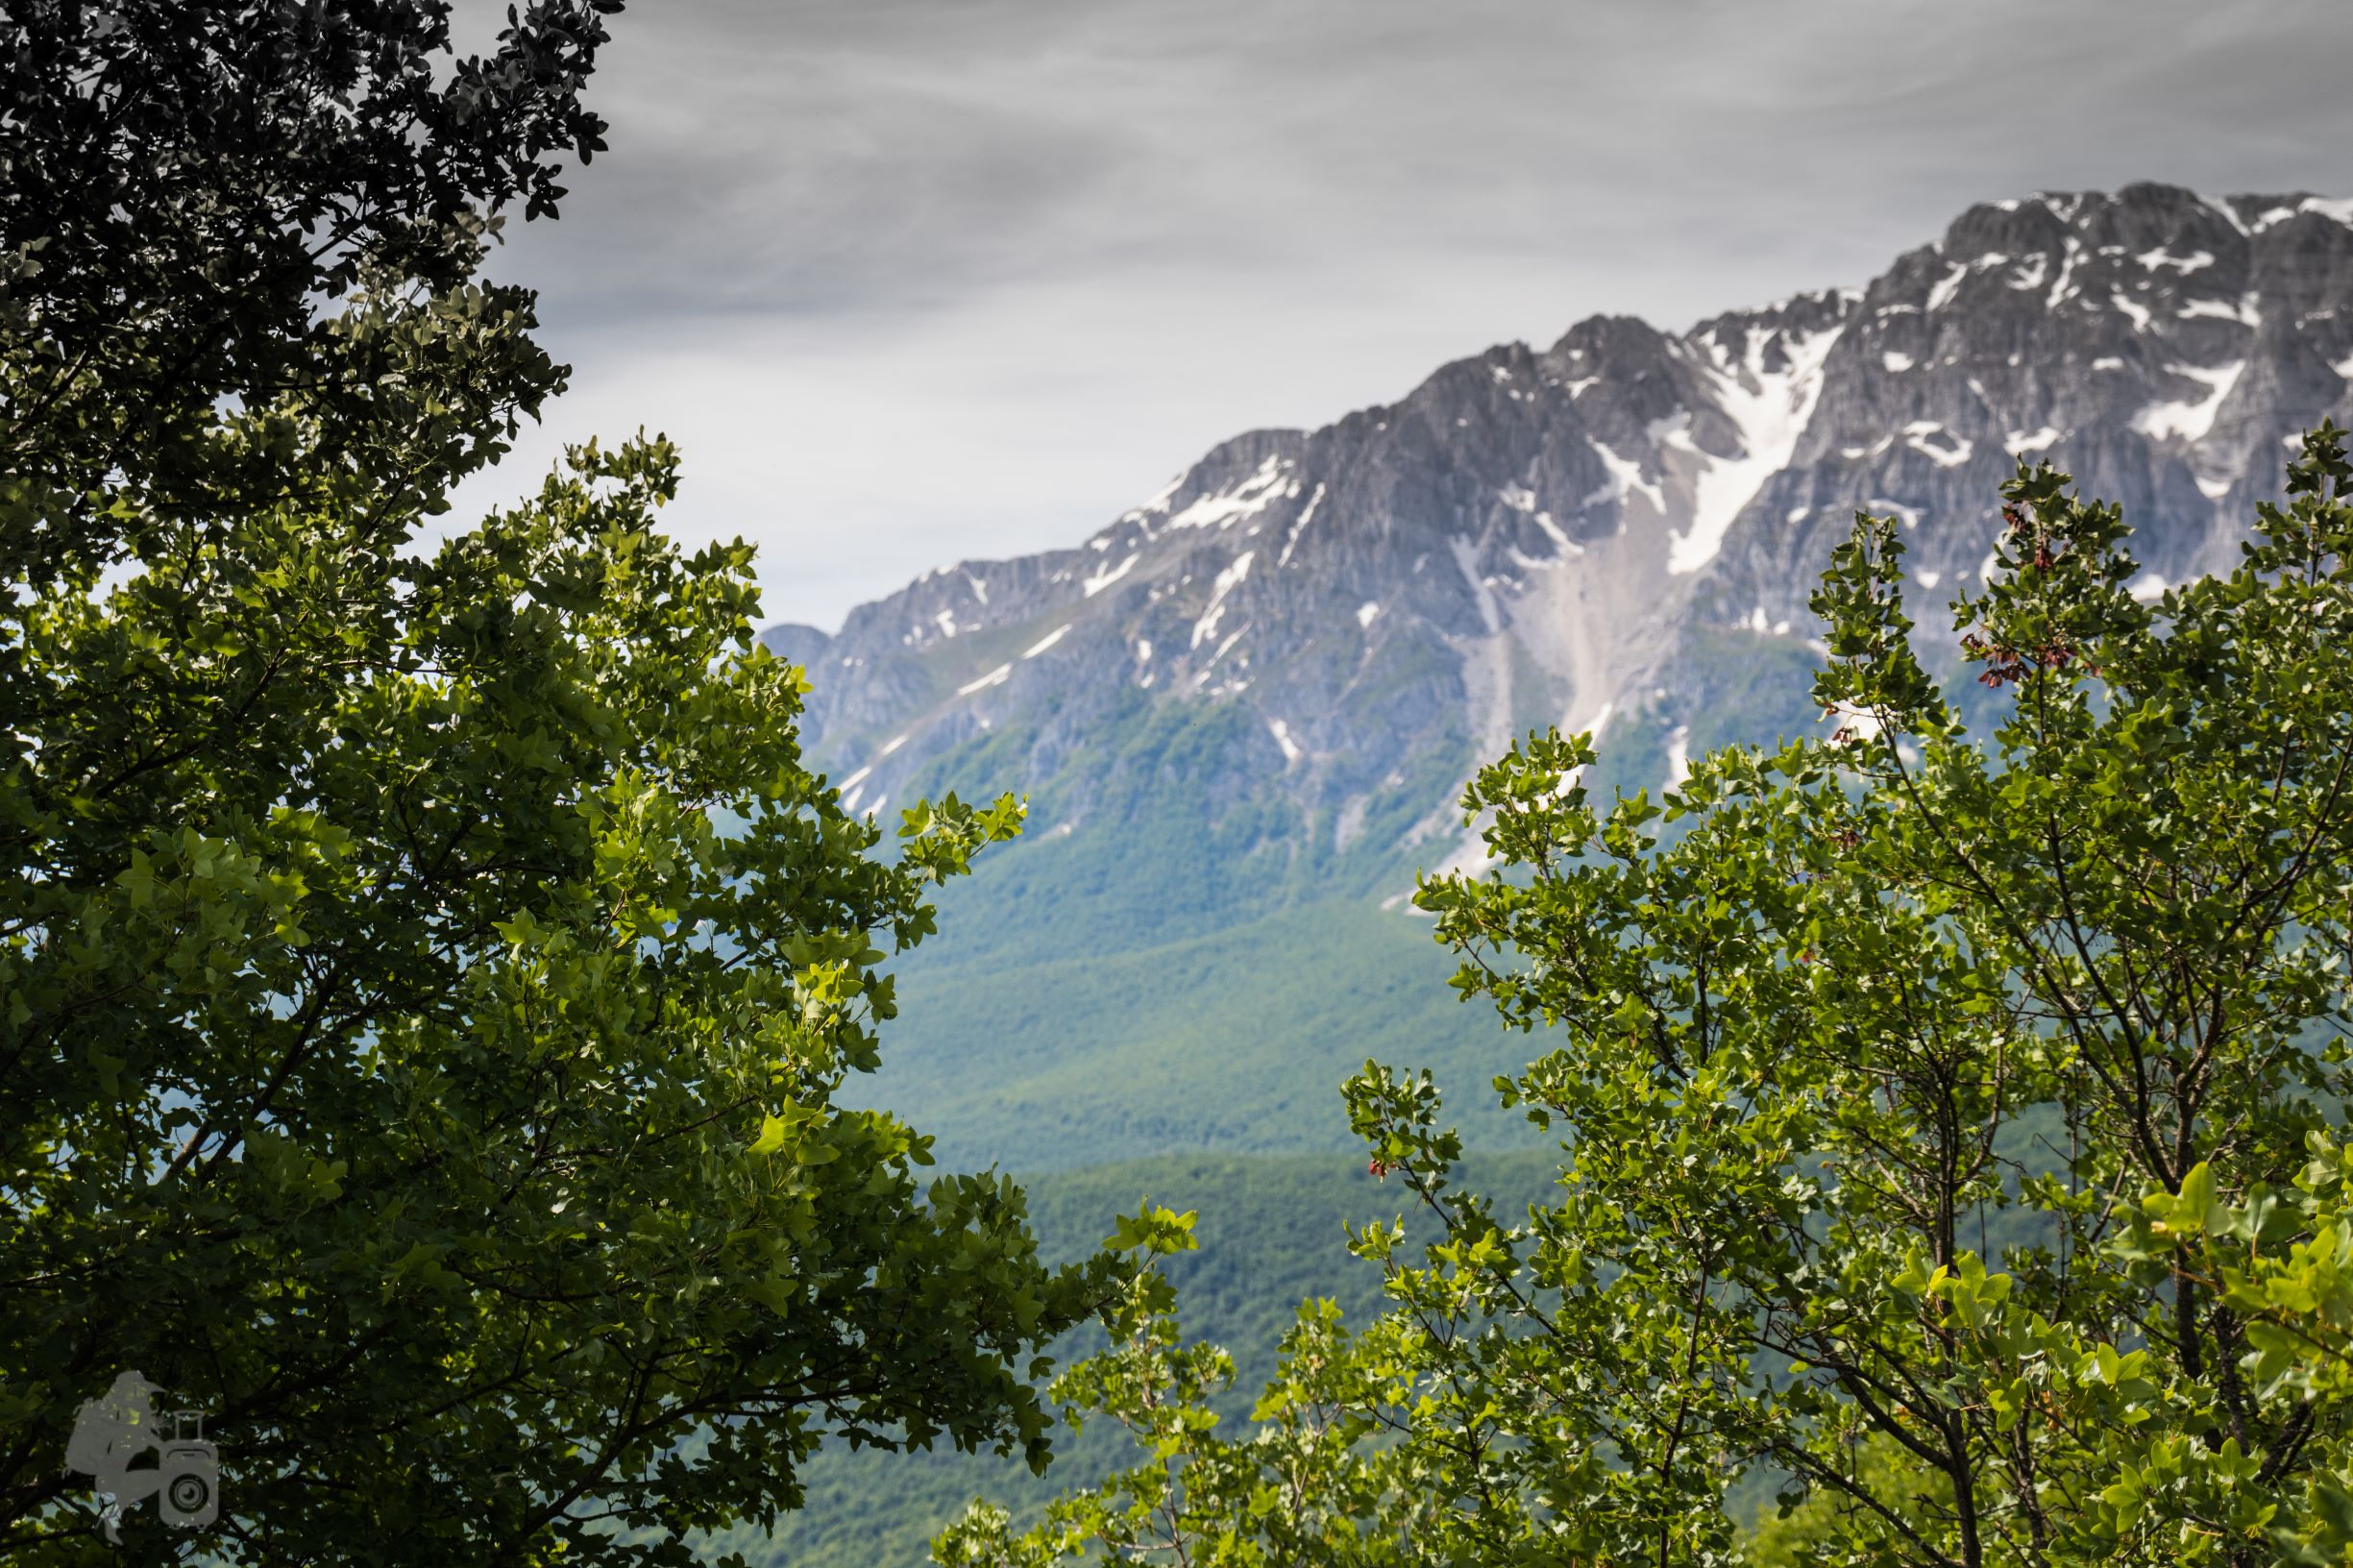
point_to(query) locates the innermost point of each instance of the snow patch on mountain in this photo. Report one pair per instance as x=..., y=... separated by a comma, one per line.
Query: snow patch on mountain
x=2190, y=421
x=1105, y=578
x=1227, y=581
x=1770, y=409
x=2150, y=260
x=1223, y=508
x=1306, y=515
x=1162, y=500
x=1923, y=435
x=1678, y=757
x=2342, y=211
x=2245, y=310
x=1625, y=479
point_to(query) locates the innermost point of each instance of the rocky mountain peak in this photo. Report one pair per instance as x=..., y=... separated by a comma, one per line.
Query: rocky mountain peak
x=1587, y=533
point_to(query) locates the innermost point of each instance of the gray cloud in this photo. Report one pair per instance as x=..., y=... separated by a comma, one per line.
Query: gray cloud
x=912, y=279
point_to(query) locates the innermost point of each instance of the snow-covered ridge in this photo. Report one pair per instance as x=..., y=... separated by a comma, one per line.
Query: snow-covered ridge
x=1223, y=508
x=1529, y=531
x=2339, y=209
x=1770, y=409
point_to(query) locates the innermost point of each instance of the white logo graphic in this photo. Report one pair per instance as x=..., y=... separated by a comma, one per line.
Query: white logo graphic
x=121, y=1427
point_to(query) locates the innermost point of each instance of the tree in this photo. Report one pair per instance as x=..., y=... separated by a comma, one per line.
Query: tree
x=425, y=980
x=180, y=189
x=1860, y=1077
x=1305, y=1486
x=409, y=1065
x=2283, y=1263
x=1944, y=1125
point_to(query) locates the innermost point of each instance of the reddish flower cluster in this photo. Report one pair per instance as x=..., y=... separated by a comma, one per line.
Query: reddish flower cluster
x=2044, y=557
x=2004, y=664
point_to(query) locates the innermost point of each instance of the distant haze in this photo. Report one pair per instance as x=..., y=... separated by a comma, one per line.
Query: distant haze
x=916, y=280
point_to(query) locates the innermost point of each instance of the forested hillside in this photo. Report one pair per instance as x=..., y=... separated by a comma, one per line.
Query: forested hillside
x=1242, y=711
x=1947, y=1119
x=1270, y=1231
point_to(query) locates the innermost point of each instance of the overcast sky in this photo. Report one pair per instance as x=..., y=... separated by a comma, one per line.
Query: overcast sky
x=916, y=280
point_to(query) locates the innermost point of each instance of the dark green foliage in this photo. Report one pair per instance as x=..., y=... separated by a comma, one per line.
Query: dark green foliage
x=183, y=187
x=1299, y=1484
x=1883, y=985
x=403, y=1069
x=425, y=978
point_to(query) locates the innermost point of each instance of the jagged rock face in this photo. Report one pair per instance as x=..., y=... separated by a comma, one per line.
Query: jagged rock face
x=1584, y=533
x=2162, y=347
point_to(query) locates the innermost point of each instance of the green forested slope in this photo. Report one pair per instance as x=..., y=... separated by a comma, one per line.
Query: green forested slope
x=1236, y=1040
x=1180, y=957
x=1111, y=1015
x=1270, y=1236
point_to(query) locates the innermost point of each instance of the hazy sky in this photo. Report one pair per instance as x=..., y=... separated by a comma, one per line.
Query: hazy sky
x=915, y=281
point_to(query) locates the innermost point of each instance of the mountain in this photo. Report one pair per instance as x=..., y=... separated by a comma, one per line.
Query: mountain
x=1243, y=710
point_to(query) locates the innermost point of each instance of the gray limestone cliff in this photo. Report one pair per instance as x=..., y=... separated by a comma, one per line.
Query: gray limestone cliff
x=1617, y=532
